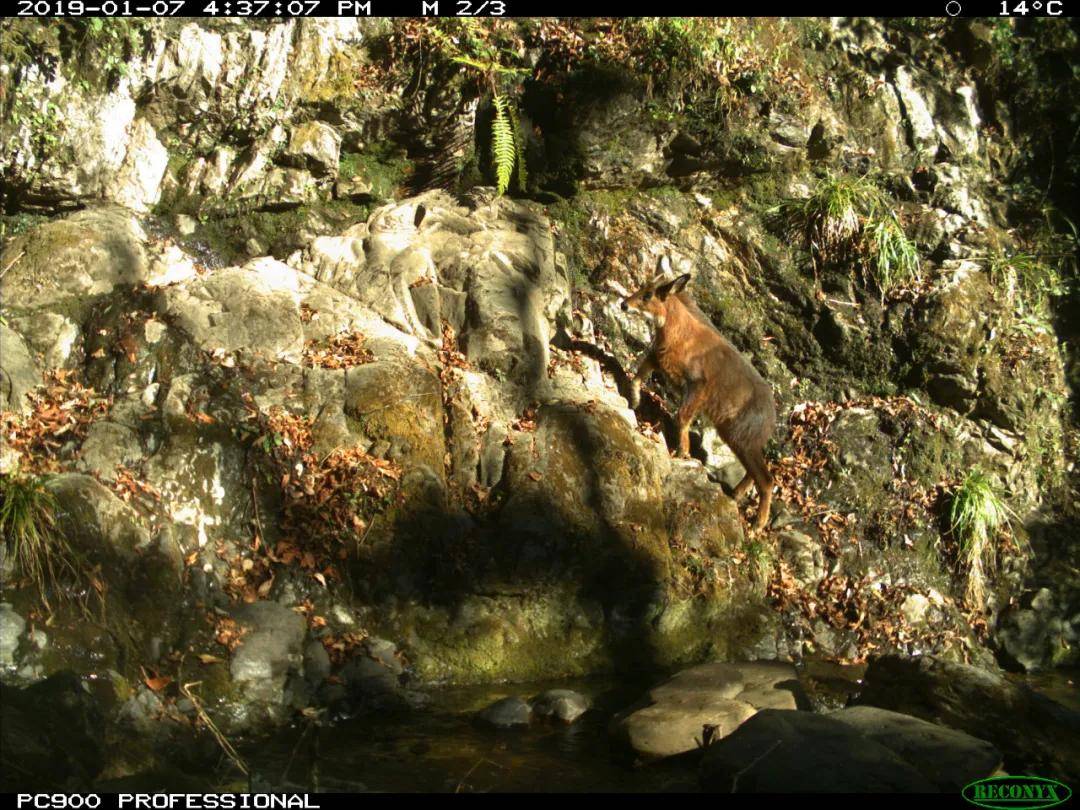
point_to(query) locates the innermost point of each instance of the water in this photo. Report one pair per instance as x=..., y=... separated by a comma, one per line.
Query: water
x=443, y=748
x=1057, y=684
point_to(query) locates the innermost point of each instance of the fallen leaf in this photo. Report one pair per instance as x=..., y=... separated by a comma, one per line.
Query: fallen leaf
x=155, y=682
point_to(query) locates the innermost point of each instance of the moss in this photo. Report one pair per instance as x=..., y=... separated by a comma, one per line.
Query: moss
x=15, y=224
x=577, y=239
x=336, y=83
x=563, y=633
x=277, y=232
x=402, y=406
x=385, y=166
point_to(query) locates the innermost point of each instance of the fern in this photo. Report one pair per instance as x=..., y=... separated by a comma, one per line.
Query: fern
x=519, y=150
x=504, y=148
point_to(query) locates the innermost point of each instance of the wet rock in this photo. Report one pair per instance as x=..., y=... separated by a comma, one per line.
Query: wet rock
x=269, y=655
x=950, y=759
x=142, y=712
x=369, y=681
x=50, y=735
x=1034, y=733
x=316, y=662
x=562, y=704
x=12, y=626
x=778, y=751
x=1042, y=631
x=508, y=712
x=385, y=652
x=672, y=718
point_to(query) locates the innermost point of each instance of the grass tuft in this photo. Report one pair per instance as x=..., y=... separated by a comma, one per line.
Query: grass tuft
x=850, y=218
x=1028, y=280
x=977, y=516
x=28, y=527
x=895, y=259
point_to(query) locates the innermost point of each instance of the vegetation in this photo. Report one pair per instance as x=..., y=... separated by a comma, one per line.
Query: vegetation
x=483, y=55
x=847, y=218
x=1026, y=279
x=507, y=150
x=894, y=257
x=977, y=516
x=697, y=69
x=28, y=527
x=1040, y=270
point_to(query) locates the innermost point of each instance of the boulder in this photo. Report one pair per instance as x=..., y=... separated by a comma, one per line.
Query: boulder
x=1035, y=734
x=564, y=705
x=704, y=702
x=50, y=735
x=508, y=712
x=96, y=521
x=778, y=751
x=66, y=266
x=315, y=146
x=950, y=759
x=270, y=654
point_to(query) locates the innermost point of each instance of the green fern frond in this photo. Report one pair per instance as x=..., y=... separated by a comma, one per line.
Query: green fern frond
x=519, y=148
x=503, y=143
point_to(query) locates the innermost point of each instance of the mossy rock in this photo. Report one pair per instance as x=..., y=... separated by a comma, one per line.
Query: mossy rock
x=67, y=265
x=399, y=402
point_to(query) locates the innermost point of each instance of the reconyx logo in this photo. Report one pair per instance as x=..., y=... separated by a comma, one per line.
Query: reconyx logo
x=1017, y=792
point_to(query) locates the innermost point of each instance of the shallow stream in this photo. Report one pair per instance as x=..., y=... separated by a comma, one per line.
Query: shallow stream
x=444, y=748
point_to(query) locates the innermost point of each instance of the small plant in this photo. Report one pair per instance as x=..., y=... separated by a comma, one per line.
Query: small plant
x=760, y=558
x=895, y=257
x=1026, y=279
x=977, y=516
x=475, y=47
x=507, y=146
x=28, y=527
x=833, y=215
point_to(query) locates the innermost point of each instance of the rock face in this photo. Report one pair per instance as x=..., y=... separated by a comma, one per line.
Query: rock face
x=850, y=751
x=233, y=236
x=1034, y=733
x=718, y=697
x=581, y=550
x=109, y=145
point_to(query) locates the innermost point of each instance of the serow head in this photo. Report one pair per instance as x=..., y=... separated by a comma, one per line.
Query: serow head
x=652, y=299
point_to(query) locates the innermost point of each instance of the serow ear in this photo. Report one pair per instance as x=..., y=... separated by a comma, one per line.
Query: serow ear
x=672, y=287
